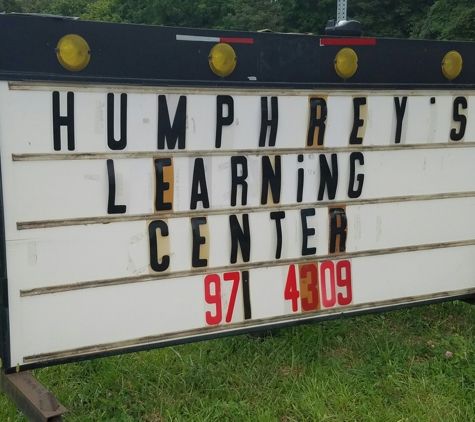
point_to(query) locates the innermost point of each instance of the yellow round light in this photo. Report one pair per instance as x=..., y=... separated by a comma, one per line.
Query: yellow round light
x=73, y=52
x=346, y=63
x=222, y=59
x=452, y=64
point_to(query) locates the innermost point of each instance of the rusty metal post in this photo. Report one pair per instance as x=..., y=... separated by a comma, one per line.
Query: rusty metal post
x=31, y=397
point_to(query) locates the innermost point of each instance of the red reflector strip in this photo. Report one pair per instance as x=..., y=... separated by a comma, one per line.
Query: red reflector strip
x=347, y=41
x=237, y=40
x=214, y=39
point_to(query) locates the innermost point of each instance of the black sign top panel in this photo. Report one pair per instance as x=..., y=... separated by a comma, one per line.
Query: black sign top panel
x=163, y=56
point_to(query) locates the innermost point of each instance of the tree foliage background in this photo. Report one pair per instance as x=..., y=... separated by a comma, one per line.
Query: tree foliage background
x=431, y=19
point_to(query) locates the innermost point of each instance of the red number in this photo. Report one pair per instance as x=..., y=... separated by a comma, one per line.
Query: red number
x=343, y=279
x=328, y=281
x=309, y=301
x=213, y=299
x=213, y=296
x=331, y=276
x=291, y=292
x=234, y=277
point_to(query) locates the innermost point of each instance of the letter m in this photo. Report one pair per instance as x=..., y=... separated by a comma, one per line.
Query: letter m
x=171, y=133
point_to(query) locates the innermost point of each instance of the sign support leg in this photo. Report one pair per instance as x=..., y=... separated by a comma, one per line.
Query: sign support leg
x=31, y=397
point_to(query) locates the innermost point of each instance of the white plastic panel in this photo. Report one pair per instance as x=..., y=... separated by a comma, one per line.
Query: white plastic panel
x=385, y=223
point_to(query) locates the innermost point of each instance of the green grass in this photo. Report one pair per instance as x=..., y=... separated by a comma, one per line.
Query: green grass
x=385, y=367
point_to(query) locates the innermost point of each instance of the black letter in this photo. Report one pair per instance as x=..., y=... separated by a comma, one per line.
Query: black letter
x=246, y=297
x=199, y=179
x=300, y=175
x=265, y=122
x=238, y=180
x=355, y=156
x=111, y=207
x=111, y=142
x=243, y=236
x=175, y=133
x=277, y=216
x=400, y=110
x=326, y=177
x=338, y=224
x=357, y=122
x=160, y=185
x=59, y=121
x=316, y=120
x=220, y=119
x=459, y=101
x=152, y=232
x=198, y=240
x=269, y=177
x=306, y=232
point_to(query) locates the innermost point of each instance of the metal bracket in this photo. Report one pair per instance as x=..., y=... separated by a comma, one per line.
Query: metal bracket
x=31, y=397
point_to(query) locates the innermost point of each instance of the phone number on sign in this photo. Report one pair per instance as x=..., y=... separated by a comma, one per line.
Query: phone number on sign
x=310, y=286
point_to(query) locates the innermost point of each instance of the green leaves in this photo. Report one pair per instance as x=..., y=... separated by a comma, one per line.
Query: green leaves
x=389, y=18
x=253, y=15
x=433, y=19
x=102, y=10
x=448, y=19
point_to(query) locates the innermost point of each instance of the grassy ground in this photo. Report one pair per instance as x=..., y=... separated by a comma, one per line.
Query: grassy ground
x=410, y=365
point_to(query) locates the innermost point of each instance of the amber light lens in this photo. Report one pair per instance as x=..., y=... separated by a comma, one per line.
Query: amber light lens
x=73, y=52
x=346, y=63
x=222, y=59
x=452, y=64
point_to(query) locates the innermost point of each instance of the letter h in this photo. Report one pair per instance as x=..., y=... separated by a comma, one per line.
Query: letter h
x=59, y=121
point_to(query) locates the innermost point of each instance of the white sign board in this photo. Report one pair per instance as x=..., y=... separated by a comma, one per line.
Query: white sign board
x=136, y=216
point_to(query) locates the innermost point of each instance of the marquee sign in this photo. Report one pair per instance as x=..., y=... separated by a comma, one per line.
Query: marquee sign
x=139, y=217
x=207, y=183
